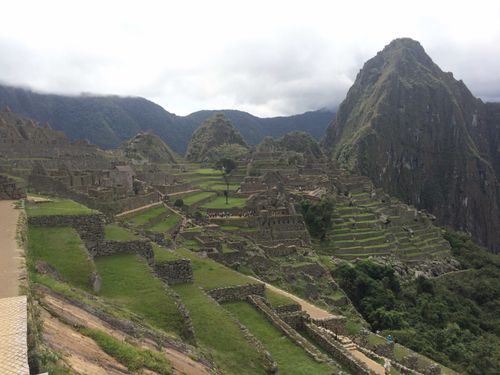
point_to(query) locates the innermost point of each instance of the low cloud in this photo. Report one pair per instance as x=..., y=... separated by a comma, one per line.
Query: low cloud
x=268, y=59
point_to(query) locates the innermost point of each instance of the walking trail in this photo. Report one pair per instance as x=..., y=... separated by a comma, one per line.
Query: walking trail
x=319, y=313
x=10, y=259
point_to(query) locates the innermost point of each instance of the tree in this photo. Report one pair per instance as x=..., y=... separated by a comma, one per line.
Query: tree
x=178, y=203
x=318, y=216
x=226, y=166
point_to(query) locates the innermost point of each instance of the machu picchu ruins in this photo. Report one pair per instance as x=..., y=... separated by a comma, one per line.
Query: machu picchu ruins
x=211, y=244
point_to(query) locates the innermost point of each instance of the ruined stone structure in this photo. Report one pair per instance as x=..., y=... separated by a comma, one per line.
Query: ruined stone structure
x=237, y=293
x=175, y=271
x=11, y=188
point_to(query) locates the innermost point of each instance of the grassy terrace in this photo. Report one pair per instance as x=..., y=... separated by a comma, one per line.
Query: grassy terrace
x=195, y=198
x=166, y=224
x=128, y=281
x=143, y=217
x=157, y=219
x=162, y=254
x=57, y=207
x=218, y=333
x=291, y=358
x=220, y=202
x=69, y=257
x=114, y=232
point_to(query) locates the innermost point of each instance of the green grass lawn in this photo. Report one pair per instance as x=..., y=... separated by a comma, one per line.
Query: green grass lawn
x=195, y=198
x=63, y=249
x=57, y=207
x=114, y=232
x=276, y=299
x=220, y=202
x=291, y=359
x=143, y=217
x=218, y=334
x=209, y=274
x=208, y=171
x=166, y=224
x=162, y=254
x=127, y=280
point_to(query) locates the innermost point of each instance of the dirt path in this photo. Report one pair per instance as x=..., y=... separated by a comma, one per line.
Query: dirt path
x=314, y=311
x=138, y=209
x=10, y=257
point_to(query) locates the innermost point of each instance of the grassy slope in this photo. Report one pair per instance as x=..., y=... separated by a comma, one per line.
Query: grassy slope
x=143, y=217
x=194, y=198
x=291, y=359
x=220, y=202
x=126, y=279
x=219, y=334
x=68, y=257
x=114, y=232
x=57, y=207
x=166, y=224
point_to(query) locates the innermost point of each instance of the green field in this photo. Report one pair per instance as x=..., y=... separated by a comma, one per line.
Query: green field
x=218, y=334
x=208, y=171
x=114, y=232
x=57, y=207
x=128, y=281
x=143, y=217
x=220, y=202
x=166, y=224
x=291, y=359
x=162, y=254
x=195, y=198
x=209, y=274
x=63, y=249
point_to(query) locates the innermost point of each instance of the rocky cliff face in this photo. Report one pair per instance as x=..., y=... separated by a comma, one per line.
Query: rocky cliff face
x=215, y=132
x=422, y=136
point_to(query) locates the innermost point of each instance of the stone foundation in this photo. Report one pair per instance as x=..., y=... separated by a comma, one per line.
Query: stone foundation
x=237, y=293
x=139, y=247
x=175, y=271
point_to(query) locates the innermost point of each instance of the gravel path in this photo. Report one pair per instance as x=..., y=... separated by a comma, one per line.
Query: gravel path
x=10, y=259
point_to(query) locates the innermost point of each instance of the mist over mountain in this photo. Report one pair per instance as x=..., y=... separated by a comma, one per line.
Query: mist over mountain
x=422, y=136
x=107, y=121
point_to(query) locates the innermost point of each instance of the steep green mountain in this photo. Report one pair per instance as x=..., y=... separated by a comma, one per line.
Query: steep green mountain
x=422, y=136
x=108, y=121
x=148, y=148
x=214, y=136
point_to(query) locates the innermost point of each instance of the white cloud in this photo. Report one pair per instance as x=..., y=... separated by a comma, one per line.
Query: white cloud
x=267, y=57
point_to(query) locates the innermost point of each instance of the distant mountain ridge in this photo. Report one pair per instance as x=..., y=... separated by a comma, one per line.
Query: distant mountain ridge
x=422, y=136
x=108, y=121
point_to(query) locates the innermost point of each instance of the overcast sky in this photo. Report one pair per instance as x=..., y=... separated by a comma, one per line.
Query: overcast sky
x=265, y=57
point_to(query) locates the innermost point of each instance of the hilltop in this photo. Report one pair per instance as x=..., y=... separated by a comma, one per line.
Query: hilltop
x=422, y=136
x=148, y=148
x=214, y=134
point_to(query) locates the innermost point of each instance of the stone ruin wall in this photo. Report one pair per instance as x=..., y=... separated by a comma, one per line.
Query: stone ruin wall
x=237, y=293
x=11, y=189
x=175, y=271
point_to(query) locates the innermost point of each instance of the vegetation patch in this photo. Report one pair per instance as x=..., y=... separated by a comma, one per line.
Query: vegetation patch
x=143, y=217
x=114, y=232
x=57, y=207
x=127, y=280
x=220, y=202
x=291, y=359
x=219, y=334
x=132, y=357
x=195, y=198
x=63, y=249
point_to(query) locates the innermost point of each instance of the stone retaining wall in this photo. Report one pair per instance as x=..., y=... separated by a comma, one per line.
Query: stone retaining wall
x=11, y=188
x=139, y=247
x=336, y=350
x=291, y=308
x=237, y=293
x=291, y=333
x=336, y=324
x=280, y=250
x=175, y=271
x=89, y=227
